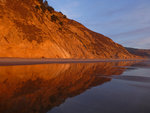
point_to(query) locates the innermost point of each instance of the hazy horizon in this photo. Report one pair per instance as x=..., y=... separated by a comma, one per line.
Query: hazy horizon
x=126, y=22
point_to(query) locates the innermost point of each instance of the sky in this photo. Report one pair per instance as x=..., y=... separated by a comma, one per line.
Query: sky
x=127, y=22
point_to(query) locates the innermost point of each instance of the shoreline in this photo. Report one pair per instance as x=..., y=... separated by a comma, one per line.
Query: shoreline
x=35, y=61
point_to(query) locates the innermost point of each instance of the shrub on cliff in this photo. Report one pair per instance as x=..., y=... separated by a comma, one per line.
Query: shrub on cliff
x=37, y=7
x=41, y=1
x=61, y=23
x=64, y=16
x=54, y=18
x=50, y=9
x=43, y=8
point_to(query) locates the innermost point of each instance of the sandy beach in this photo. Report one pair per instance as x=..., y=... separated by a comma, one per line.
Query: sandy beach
x=27, y=61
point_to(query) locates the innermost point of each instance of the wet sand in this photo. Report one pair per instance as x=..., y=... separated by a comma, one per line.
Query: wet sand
x=99, y=87
x=32, y=61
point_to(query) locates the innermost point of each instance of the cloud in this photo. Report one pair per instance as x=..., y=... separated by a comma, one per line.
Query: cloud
x=143, y=43
x=133, y=32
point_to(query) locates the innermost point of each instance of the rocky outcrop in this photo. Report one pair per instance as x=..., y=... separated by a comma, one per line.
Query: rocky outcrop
x=32, y=29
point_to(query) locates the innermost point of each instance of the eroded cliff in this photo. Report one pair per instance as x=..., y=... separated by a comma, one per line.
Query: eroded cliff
x=32, y=29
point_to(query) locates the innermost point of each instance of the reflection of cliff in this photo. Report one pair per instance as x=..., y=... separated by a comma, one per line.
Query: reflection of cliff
x=38, y=88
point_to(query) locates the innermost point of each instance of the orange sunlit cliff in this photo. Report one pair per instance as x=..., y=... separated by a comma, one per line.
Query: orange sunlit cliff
x=32, y=29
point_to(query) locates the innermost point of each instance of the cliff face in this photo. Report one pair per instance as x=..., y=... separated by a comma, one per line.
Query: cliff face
x=32, y=29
